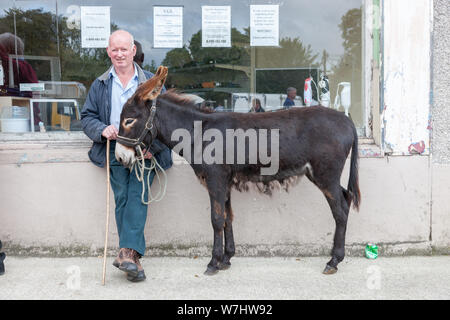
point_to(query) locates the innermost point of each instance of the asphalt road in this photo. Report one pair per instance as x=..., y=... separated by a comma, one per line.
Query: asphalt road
x=294, y=278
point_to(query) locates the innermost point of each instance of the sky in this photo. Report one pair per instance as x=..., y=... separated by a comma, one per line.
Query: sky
x=315, y=22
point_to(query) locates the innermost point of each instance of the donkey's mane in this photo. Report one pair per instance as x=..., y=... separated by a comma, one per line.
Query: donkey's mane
x=179, y=99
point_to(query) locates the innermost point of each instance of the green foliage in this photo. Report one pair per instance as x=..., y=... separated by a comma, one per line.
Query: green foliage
x=44, y=34
x=237, y=54
x=152, y=67
x=349, y=66
x=291, y=53
x=177, y=58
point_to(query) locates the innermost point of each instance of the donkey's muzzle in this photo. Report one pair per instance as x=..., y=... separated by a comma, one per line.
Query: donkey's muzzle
x=126, y=156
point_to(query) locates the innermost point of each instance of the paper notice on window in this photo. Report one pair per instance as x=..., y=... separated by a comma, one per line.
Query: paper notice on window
x=95, y=27
x=167, y=27
x=216, y=26
x=264, y=25
x=32, y=86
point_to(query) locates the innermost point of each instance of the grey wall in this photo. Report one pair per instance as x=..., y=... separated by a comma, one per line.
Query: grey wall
x=441, y=83
x=54, y=203
x=440, y=111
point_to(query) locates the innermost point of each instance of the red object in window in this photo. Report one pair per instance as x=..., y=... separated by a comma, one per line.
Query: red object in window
x=417, y=148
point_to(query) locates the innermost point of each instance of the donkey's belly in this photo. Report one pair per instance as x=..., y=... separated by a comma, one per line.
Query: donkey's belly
x=285, y=178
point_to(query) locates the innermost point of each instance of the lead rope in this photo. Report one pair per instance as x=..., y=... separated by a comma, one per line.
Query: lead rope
x=139, y=168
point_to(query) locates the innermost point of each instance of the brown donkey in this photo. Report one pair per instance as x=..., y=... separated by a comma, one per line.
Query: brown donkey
x=313, y=141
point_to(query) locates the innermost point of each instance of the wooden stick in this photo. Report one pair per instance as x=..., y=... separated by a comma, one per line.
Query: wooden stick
x=107, y=211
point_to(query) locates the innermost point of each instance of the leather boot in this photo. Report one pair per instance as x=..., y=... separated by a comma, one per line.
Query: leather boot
x=140, y=276
x=125, y=261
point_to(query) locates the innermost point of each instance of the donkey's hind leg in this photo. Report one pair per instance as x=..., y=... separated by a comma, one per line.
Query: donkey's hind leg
x=218, y=224
x=340, y=209
x=229, y=240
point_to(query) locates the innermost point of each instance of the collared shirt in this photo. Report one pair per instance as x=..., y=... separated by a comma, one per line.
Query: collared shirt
x=288, y=103
x=120, y=95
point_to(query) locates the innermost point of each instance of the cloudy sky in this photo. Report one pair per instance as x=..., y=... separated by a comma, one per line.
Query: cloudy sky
x=315, y=22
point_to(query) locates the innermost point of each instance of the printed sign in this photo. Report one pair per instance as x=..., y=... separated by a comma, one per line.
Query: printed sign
x=32, y=86
x=264, y=25
x=95, y=27
x=216, y=26
x=167, y=27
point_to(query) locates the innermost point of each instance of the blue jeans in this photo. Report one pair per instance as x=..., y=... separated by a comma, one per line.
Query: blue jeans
x=131, y=213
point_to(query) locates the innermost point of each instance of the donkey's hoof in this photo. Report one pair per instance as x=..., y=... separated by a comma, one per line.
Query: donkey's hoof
x=211, y=271
x=329, y=270
x=224, y=266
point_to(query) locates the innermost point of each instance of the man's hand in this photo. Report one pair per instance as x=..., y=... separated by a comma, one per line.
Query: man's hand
x=110, y=132
x=148, y=155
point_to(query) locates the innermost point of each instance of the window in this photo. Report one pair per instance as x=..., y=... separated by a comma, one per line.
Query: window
x=321, y=42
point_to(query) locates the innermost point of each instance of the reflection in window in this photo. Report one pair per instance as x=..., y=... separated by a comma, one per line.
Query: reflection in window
x=319, y=40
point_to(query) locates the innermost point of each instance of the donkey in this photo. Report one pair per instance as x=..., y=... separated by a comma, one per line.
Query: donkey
x=313, y=141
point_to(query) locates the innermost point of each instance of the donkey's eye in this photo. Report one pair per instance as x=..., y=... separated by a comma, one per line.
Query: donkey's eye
x=129, y=121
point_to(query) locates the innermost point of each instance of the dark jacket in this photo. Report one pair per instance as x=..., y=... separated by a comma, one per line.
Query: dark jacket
x=95, y=117
x=288, y=103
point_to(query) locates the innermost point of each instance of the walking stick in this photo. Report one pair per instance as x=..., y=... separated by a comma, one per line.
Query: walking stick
x=107, y=211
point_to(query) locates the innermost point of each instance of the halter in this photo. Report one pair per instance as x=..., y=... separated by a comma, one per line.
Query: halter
x=139, y=166
x=134, y=143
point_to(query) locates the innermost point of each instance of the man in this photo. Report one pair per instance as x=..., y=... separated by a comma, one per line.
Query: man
x=100, y=119
x=291, y=94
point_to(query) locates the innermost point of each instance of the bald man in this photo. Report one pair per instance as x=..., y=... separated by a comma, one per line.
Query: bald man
x=100, y=120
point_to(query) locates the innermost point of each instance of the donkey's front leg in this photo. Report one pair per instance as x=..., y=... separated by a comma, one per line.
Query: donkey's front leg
x=218, y=224
x=229, y=239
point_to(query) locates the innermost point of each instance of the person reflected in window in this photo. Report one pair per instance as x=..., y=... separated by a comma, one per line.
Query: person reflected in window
x=23, y=72
x=100, y=119
x=256, y=106
x=139, y=56
x=291, y=94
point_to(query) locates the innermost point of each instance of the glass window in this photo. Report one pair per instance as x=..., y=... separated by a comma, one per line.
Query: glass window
x=320, y=45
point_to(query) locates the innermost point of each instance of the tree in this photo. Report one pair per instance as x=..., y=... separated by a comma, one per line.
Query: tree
x=237, y=54
x=349, y=67
x=45, y=34
x=177, y=58
x=290, y=53
x=152, y=67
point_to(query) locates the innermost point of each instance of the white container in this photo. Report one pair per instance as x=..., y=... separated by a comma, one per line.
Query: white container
x=344, y=98
x=15, y=119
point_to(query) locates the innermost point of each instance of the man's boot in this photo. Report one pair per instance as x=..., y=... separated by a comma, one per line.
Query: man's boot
x=125, y=261
x=141, y=274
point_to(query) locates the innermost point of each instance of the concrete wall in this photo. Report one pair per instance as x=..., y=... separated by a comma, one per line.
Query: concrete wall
x=406, y=73
x=441, y=123
x=53, y=202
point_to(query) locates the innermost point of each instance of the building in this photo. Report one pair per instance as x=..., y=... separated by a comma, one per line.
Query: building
x=394, y=54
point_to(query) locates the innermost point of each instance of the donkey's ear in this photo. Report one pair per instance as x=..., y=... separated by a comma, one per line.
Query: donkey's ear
x=160, y=71
x=150, y=89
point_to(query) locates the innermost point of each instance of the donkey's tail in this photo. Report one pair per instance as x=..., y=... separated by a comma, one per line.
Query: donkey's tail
x=353, y=183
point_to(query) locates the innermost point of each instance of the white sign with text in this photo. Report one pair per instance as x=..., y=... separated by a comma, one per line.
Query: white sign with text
x=95, y=27
x=264, y=25
x=216, y=26
x=167, y=27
